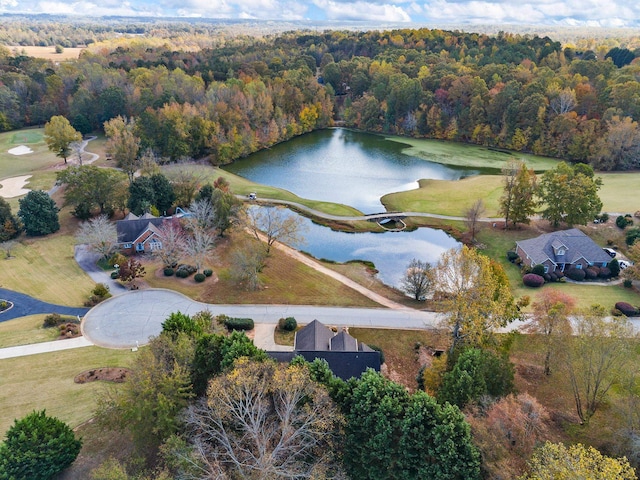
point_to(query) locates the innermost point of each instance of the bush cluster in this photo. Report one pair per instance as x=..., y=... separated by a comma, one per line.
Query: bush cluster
x=533, y=280
x=99, y=293
x=512, y=256
x=52, y=320
x=184, y=270
x=538, y=270
x=238, y=323
x=624, y=221
x=576, y=274
x=207, y=272
x=288, y=324
x=168, y=272
x=627, y=309
x=199, y=277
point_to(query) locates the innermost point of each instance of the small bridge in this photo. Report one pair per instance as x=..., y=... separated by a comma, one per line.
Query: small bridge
x=382, y=219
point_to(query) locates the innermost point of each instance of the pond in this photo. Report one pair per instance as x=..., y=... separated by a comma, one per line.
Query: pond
x=342, y=166
x=391, y=252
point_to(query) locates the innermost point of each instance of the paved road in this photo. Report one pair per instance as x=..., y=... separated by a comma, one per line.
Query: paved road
x=88, y=261
x=130, y=319
x=24, y=305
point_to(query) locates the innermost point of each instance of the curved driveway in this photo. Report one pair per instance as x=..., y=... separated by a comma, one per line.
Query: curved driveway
x=24, y=305
x=130, y=319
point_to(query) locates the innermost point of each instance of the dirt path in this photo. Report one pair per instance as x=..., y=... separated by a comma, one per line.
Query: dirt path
x=293, y=253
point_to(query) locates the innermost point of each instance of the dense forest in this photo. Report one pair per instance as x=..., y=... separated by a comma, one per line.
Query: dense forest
x=519, y=92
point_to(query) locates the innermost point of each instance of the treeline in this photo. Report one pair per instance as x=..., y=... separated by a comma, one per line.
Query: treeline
x=524, y=93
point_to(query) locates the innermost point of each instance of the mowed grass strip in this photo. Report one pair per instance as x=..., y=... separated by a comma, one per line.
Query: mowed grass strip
x=46, y=269
x=619, y=192
x=45, y=381
x=14, y=165
x=25, y=330
x=467, y=155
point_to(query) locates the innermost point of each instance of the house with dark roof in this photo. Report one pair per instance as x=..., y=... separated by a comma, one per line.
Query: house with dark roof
x=346, y=356
x=139, y=234
x=559, y=251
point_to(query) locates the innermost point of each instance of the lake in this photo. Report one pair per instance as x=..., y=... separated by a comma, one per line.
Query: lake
x=342, y=166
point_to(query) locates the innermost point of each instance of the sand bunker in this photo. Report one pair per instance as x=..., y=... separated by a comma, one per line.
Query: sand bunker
x=20, y=150
x=13, y=187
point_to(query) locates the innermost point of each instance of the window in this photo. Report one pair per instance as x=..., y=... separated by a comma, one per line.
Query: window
x=127, y=245
x=546, y=269
x=139, y=247
x=155, y=244
x=579, y=266
x=561, y=252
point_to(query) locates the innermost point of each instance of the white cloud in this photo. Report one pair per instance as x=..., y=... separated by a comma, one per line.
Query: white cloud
x=365, y=11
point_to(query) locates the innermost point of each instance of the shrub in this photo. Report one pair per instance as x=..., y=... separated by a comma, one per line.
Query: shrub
x=288, y=324
x=512, y=256
x=538, y=269
x=52, y=320
x=605, y=272
x=627, y=283
x=576, y=274
x=533, y=280
x=207, y=272
x=547, y=277
x=553, y=276
x=184, y=270
x=238, y=323
x=591, y=273
x=199, y=277
x=559, y=273
x=627, y=309
x=623, y=222
x=525, y=269
x=614, y=267
x=632, y=235
x=182, y=273
x=114, y=275
x=168, y=272
x=615, y=312
x=604, y=218
x=100, y=290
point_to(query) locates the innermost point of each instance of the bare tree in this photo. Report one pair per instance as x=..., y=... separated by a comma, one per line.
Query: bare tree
x=563, y=101
x=201, y=215
x=418, y=279
x=76, y=147
x=264, y=421
x=172, y=238
x=550, y=319
x=6, y=247
x=248, y=261
x=595, y=357
x=473, y=215
x=199, y=245
x=274, y=224
x=99, y=234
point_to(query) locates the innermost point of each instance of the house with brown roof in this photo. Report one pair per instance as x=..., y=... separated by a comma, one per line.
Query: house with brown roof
x=346, y=356
x=139, y=234
x=559, y=251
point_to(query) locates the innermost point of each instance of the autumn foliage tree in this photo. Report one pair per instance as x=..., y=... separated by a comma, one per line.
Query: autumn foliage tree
x=59, y=135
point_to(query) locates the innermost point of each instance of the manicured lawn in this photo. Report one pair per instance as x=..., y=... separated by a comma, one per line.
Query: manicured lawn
x=619, y=192
x=286, y=281
x=472, y=156
x=14, y=165
x=25, y=330
x=447, y=197
x=45, y=269
x=45, y=381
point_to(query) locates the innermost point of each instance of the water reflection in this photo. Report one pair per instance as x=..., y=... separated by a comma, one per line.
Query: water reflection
x=391, y=252
x=341, y=166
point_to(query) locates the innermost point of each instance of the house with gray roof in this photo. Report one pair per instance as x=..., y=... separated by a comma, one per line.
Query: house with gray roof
x=559, y=251
x=139, y=234
x=346, y=356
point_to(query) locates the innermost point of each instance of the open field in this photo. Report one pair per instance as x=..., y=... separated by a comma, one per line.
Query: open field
x=48, y=53
x=45, y=269
x=447, y=197
x=286, y=282
x=25, y=330
x=467, y=155
x=619, y=192
x=45, y=381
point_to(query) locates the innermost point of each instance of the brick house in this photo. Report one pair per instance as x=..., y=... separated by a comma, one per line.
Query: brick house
x=139, y=234
x=562, y=250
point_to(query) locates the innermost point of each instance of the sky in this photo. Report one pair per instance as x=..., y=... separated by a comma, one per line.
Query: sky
x=594, y=13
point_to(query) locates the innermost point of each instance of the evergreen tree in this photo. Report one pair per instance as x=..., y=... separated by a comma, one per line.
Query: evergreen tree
x=39, y=213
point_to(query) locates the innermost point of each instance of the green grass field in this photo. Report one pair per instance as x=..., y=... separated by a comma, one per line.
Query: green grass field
x=14, y=165
x=45, y=381
x=471, y=156
x=25, y=330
